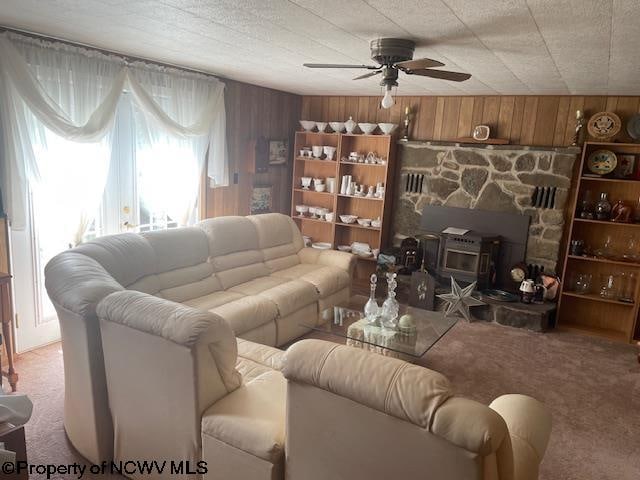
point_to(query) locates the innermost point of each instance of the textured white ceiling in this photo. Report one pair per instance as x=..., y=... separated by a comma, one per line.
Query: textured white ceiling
x=509, y=46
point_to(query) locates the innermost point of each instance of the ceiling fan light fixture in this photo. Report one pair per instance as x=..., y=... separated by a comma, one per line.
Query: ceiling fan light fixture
x=387, y=100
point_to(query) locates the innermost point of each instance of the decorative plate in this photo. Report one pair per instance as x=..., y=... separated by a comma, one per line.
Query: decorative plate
x=633, y=126
x=602, y=162
x=604, y=125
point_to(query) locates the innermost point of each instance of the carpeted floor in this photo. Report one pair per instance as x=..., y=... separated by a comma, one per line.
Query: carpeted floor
x=592, y=387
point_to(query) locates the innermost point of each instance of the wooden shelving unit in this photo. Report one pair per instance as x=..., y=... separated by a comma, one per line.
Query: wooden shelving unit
x=590, y=313
x=336, y=232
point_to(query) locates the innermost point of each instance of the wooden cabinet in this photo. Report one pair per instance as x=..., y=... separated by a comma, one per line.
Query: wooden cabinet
x=590, y=312
x=336, y=232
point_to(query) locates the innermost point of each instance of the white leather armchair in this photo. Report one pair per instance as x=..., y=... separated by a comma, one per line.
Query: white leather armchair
x=356, y=415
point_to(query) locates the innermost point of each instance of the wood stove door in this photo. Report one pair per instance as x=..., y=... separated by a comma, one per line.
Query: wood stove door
x=461, y=261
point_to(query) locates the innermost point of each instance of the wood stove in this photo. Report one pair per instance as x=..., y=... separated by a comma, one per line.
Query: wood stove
x=471, y=257
x=494, y=242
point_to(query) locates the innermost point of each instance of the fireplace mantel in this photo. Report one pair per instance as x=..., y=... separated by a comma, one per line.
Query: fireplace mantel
x=486, y=146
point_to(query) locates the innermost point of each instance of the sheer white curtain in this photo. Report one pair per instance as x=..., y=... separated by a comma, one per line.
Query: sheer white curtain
x=67, y=151
x=58, y=106
x=58, y=109
x=173, y=134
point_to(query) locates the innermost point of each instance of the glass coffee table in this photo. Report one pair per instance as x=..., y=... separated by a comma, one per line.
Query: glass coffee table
x=347, y=322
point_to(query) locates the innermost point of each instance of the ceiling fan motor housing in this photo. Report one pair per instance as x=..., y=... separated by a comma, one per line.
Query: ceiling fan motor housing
x=387, y=51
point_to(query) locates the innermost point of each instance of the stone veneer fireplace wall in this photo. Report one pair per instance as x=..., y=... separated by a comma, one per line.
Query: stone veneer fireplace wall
x=488, y=177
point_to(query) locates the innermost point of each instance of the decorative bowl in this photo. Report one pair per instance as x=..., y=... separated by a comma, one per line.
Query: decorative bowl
x=320, y=187
x=367, y=128
x=376, y=223
x=329, y=216
x=344, y=248
x=337, y=127
x=307, y=124
x=302, y=209
x=321, y=245
x=350, y=125
x=321, y=126
x=317, y=151
x=387, y=128
x=348, y=218
x=365, y=222
x=602, y=162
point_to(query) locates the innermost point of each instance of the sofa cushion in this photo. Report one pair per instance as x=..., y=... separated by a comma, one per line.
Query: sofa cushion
x=126, y=256
x=326, y=280
x=258, y=285
x=255, y=359
x=279, y=240
x=229, y=235
x=268, y=356
x=287, y=295
x=247, y=313
x=212, y=300
x=178, y=247
x=251, y=418
x=233, y=250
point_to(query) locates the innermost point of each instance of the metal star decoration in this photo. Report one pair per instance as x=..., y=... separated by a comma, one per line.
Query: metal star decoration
x=460, y=299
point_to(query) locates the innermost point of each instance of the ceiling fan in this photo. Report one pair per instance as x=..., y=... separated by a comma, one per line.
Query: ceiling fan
x=394, y=55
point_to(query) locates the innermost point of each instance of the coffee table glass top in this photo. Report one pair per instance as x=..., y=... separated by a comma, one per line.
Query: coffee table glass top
x=347, y=321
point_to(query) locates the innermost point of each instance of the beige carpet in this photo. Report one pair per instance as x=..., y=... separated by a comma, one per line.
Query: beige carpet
x=591, y=385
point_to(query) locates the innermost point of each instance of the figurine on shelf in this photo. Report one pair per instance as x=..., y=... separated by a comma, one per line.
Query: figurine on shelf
x=620, y=212
x=603, y=207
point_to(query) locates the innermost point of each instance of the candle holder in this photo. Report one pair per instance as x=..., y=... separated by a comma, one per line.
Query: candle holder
x=406, y=122
x=578, y=136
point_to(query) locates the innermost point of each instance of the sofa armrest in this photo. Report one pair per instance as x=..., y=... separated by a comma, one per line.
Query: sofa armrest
x=77, y=283
x=177, y=323
x=330, y=258
x=529, y=424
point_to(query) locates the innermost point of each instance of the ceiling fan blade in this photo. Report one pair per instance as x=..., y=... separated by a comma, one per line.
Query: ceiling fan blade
x=337, y=65
x=419, y=63
x=441, y=74
x=367, y=75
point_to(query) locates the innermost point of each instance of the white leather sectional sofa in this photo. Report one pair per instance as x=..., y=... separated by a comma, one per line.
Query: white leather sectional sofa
x=166, y=340
x=252, y=272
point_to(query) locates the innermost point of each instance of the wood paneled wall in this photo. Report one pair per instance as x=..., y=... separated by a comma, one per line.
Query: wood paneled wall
x=523, y=120
x=252, y=112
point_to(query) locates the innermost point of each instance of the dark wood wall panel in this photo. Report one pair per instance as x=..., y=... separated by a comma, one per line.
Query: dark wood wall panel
x=252, y=112
x=523, y=120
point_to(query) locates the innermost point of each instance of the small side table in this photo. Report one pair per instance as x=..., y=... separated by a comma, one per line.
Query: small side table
x=6, y=319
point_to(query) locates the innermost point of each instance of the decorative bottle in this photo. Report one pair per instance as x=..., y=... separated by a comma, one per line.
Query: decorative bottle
x=390, y=307
x=371, y=308
x=603, y=207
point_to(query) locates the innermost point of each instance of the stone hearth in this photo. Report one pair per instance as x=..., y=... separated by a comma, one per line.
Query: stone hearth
x=494, y=178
